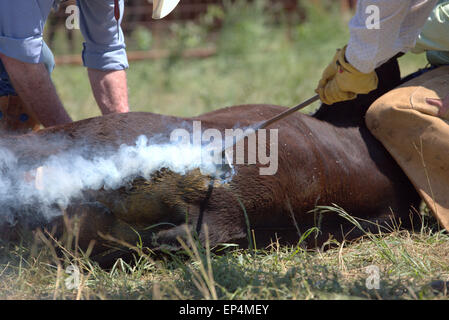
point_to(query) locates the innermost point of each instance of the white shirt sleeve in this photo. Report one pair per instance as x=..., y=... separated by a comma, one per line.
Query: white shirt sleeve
x=374, y=41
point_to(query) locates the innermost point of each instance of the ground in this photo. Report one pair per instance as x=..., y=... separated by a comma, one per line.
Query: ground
x=258, y=61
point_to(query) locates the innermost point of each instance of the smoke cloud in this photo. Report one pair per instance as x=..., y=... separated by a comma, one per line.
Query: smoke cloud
x=59, y=179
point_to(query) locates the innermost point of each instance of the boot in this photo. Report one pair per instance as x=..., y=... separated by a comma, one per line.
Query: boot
x=15, y=117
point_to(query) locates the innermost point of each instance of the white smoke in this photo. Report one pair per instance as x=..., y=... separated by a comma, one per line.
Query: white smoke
x=64, y=176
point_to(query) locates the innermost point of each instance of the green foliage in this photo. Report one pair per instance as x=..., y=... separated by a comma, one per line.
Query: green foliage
x=245, y=27
x=187, y=35
x=142, y=37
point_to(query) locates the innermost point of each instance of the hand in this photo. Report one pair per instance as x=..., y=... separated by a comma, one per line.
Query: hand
x=341, y=81
x=443, y=106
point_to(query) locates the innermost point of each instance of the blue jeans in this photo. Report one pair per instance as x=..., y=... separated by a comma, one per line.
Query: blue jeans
x=6, y=87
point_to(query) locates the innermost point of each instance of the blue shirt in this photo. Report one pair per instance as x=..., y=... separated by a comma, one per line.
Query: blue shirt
x=22, y=24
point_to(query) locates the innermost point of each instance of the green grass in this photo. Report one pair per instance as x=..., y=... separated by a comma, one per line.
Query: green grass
x=258, y=61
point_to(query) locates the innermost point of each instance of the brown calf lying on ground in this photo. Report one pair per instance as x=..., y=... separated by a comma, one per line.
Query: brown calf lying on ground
x=328, y=158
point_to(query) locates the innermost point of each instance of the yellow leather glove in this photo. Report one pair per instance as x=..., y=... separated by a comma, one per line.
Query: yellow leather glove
x=341, y=81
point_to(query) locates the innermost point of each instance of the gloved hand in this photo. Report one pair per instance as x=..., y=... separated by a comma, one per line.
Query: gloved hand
x=341, y=81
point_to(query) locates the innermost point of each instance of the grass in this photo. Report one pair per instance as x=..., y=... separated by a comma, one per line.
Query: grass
x=258, y=61
x=408, y=264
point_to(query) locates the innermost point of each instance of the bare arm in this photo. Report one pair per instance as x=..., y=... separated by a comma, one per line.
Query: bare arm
x=110, y=90
x=33, y=84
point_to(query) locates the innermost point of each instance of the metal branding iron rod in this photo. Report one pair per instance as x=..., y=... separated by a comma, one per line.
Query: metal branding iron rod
x=266, y=123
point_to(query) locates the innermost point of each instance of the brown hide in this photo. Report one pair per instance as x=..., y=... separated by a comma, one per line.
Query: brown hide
x=328, y=158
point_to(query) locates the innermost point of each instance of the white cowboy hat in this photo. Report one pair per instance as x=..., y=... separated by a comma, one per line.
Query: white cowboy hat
x=161, y=8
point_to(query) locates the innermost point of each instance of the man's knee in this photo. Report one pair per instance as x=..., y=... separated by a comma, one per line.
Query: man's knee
x=391, y=117
x=380, y=114
x=394, y=109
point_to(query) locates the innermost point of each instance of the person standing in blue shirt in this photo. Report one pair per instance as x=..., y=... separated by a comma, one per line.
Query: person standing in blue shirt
x=26, y=62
